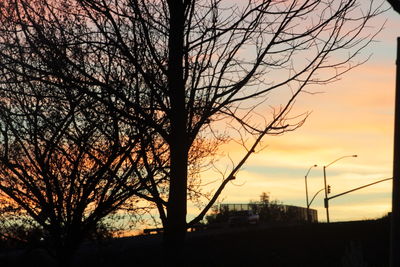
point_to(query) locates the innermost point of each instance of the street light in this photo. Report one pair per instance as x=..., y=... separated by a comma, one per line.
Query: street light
x=326, y=204
x=305, y=180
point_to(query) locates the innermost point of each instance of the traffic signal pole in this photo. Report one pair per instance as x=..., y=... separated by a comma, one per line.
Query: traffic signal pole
x=358, y=188
x=326, y=201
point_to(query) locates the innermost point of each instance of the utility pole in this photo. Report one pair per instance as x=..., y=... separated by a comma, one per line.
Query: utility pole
x=395, y=217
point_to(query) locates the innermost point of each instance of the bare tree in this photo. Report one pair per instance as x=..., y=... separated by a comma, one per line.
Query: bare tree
x=182, y=69
x=395, y=5
x=63, y=164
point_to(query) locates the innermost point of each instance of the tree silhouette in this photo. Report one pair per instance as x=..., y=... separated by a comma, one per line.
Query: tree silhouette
x=395, y=4
x=58, y=164
x=182, y=70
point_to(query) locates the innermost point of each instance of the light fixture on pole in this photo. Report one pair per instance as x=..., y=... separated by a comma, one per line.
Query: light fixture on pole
x=307, y=203
x=326, y=201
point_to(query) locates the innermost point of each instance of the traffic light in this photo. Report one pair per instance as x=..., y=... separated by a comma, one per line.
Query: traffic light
x=329, y=189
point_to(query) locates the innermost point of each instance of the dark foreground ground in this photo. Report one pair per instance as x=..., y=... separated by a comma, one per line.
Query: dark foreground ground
x=348, y=244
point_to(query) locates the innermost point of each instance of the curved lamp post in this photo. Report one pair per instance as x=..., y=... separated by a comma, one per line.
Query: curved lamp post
x=326, y=204
x=308, y=204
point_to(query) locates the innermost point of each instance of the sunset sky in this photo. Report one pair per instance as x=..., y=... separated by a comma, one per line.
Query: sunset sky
x=351, y=116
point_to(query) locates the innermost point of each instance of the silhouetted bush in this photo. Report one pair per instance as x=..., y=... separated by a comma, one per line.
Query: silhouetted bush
x=18, y=230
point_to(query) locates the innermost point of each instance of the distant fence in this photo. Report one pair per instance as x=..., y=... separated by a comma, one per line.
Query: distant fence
x=280, y=212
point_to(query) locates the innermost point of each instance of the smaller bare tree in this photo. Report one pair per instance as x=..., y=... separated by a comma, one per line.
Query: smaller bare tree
x=61, y=164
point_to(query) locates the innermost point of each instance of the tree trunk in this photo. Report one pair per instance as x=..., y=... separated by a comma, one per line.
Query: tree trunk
x=175, y=228
x=65, y=255
x=65, y=244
